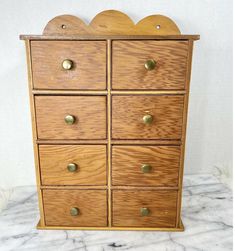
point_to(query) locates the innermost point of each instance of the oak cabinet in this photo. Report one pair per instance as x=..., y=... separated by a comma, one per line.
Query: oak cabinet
x=109, y=110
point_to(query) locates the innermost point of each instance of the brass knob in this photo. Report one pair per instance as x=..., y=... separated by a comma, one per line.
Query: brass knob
x=67, y=64
x=74, y=211
x=72, y=167
x=146, y=168
x=144, y=211
x=150, y=64
x=69, y=119
x=148, y=119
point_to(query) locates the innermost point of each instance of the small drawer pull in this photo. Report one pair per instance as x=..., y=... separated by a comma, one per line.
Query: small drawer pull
x=69, y=119
x=150, y=64
x=144, y=211
x=72, y=167
x=74, y=211
x=67, y=64
x=148, y=119
x=146, y=168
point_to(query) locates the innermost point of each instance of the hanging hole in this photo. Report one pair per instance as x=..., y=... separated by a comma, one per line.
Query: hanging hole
x=63, y=26
x=158, y=27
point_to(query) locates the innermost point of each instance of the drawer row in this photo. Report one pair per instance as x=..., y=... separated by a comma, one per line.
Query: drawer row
x=130, y=208
x=133, y=117
x=132, y=165
x=82, y=65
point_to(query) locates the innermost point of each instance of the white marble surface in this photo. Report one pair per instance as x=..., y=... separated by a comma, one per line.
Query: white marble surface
x=207, y=216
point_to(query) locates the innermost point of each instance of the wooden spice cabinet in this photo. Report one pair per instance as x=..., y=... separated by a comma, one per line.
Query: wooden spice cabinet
x=109, y=109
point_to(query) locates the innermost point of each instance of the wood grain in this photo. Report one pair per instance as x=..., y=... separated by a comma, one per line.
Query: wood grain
x=69, y=92
x=109, y=115
x=110, y=22
x=112, y=141
x=71, y=142
x=152, y=188
x=161, y=229
x=144, y=142
x=87, y=37
x=128, y=111
x=90, y=113
x=92, y=206
x=90, y=160
x=184, y=127
x=34, y=132
x=127, y=204
x=157, y=24
x=129, y=57
x=127, y=162
x=113, y=49
x=148, y=92
x=76, y=187
x=65, y=25
x=89, y=64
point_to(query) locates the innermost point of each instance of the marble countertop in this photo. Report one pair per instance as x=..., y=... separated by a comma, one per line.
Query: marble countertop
x=207, y=217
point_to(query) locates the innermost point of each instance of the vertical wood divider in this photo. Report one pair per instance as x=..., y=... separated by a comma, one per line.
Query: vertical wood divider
x=184, y=127
x=34, y=132
x=109, y=51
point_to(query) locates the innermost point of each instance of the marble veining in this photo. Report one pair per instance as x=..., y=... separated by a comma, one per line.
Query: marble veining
x=207, y=216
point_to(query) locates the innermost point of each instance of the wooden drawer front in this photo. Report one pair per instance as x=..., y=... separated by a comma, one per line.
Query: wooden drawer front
x=88, y=70
x=92, y=206
x=145, y=165
x=127, y=207
x=89, y=112
x=129, y=58
x=89, y=164
x=128, y=113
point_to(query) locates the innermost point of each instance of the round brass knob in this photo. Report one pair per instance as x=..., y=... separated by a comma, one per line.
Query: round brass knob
x=148, y=119
x=146, y=168
x=67, y=64
x=150, y=64
x=69, y=119
x=72, y=167
x=144, y=211
x=74, y=211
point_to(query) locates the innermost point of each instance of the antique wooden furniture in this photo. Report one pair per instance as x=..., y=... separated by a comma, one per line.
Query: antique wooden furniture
x=109, y=109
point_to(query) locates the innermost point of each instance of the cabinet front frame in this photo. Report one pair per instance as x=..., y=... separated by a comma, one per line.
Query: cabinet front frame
x=109, y=142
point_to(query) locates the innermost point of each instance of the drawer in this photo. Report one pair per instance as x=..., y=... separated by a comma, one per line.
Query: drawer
x=147, y=116
x=75, y=207
x=145, y=165
x=130, y=59
x=85, y=115
x=73, y=164
x=86, y=68
x=144, y=208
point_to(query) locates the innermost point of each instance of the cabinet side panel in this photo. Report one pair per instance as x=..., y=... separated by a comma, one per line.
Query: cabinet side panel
x=184, y=127
x=34, y=130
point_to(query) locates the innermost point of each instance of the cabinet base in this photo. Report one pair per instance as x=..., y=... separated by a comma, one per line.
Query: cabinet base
x=164, y=229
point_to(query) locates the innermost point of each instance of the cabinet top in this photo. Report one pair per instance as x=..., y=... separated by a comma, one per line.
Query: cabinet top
x=110, y=24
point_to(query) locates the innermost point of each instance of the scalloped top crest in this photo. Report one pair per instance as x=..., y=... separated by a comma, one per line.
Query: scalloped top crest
x=111, y=22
